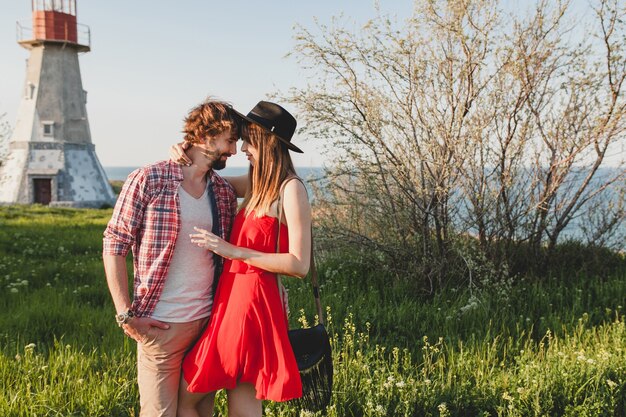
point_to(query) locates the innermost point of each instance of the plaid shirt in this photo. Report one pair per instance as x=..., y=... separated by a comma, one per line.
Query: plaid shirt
x=146, y=218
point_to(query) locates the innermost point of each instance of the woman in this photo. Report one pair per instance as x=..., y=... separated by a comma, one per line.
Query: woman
x=245, y=348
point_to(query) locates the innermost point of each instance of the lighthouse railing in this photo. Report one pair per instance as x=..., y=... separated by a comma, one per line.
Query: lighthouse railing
x=25, y=33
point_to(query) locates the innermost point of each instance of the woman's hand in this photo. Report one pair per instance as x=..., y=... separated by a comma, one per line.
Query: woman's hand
x=178, y=155
x=215, y=244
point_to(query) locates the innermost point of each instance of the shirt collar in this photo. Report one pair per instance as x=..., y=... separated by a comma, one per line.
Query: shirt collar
x=211, y=176
x=176, y=172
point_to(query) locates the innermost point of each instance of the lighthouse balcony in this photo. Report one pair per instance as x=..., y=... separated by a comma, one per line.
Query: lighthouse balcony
x=53, y=27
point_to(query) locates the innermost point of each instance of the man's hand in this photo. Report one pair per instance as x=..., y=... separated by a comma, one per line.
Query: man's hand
x=137, y=328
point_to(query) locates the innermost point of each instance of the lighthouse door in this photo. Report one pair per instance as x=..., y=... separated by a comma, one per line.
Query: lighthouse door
x=43, y=190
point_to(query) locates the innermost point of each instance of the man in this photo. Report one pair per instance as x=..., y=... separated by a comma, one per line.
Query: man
x=156, y=211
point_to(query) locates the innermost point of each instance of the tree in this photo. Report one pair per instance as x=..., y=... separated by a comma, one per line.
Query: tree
x=579, y=110
x=464, y=122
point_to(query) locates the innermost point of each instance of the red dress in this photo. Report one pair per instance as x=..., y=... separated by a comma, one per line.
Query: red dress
x=246, y=339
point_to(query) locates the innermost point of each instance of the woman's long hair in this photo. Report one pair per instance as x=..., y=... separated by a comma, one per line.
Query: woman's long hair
x=271, y=168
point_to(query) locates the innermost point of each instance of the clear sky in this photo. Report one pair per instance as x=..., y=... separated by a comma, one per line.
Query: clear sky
x=151, y=61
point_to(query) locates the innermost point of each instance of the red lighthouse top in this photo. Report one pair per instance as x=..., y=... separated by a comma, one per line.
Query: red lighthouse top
x=55, y=21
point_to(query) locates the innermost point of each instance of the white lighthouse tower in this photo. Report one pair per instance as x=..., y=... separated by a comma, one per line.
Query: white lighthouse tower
x=51, y=158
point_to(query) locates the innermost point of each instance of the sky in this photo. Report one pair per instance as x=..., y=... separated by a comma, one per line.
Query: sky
x=152, y=61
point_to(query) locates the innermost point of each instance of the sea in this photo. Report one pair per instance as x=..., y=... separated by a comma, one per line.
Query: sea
x=574, y=230
x=120, y=173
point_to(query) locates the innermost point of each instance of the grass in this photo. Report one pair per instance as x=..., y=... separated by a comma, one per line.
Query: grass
x=523, y=348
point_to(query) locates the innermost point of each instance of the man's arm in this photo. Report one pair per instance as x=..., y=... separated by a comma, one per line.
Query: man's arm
x=117, y=280
x=118, y=238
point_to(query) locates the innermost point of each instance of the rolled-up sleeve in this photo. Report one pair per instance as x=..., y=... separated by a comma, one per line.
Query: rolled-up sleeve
x=122, y=229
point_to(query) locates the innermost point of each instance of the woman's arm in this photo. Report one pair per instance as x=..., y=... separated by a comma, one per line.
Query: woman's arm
x=296, y=262
x=240, y=183
x=178, y=155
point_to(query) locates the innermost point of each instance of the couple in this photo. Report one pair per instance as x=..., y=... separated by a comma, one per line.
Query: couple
x=182, y=224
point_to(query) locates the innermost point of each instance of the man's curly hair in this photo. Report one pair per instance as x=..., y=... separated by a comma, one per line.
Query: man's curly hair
x=209, y=118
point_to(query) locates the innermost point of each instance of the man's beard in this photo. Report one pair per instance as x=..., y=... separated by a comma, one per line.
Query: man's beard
x=219, y=164
x=216, y=159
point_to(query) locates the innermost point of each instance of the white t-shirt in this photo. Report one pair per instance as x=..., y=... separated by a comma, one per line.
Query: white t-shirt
x=186, y=294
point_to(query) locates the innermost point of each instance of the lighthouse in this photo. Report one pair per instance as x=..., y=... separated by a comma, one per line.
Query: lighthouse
x=51, y=158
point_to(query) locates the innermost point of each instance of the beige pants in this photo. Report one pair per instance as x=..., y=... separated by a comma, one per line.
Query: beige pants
x=159, y=361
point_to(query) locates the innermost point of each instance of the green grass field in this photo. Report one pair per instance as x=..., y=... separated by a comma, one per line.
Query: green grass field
x=555, y=348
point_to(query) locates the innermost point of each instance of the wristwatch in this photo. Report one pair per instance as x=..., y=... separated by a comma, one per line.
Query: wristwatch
x=124, y=317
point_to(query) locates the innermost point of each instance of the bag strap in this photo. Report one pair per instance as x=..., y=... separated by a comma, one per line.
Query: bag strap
x=312, y=269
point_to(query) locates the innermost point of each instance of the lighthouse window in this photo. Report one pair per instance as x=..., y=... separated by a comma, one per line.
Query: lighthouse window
x=48, y=128
x=30, y=90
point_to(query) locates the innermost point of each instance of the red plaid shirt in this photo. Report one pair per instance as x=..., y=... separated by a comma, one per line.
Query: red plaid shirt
x=146, y=218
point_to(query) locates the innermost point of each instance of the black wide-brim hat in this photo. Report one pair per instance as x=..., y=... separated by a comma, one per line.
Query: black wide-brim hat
x=274, y=119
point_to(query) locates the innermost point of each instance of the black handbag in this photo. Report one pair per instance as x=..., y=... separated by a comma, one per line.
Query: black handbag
x=311, y=347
